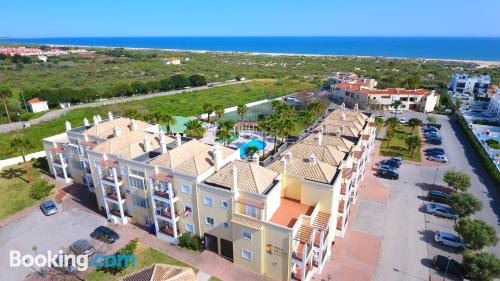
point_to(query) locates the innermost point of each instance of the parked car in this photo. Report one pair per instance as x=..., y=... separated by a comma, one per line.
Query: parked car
x=48, y=207
x=449, y=265
x=105, y=234
x=435, y=141
x=450, y=240
x=441, y=210
x=384, y=167
x=430, y=129
x=437, y=158
x=402, y=121
x=437, y=196
x=381, y=116
x=388, y=174
x=397, y=159
x=397, y=112
x=437, y=126
x=436, y=149
x=389, y=162
x=82, y=247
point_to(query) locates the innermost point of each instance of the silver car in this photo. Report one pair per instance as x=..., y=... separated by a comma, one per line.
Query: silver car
x=438, y=158
x=48, y=207
x=82, y=247
x=441, y=210
x=449, y=239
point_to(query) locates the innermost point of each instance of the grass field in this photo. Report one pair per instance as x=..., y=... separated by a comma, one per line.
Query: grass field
x=398, y=146
x=186, y=104
x=144, y=258
x=15, y=190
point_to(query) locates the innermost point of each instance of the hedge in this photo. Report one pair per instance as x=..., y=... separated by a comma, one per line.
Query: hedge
x=485, y=160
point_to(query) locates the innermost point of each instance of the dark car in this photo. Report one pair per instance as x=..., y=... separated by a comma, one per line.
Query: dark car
x=390, y=162
x=48, y=207
x=434, y=153
x=434, y=149
x=105, y=234
x=437, y=196
x=388, y=174
x=443, y=263
x=437, y=126
x=82, y=247
x=436, y=141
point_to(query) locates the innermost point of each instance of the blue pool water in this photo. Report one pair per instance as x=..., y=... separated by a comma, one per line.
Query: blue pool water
x=258, y=143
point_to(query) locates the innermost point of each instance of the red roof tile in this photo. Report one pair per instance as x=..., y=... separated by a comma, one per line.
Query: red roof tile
x=35, y=100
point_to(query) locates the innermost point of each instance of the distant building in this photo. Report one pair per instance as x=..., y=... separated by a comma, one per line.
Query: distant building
x=494, y=106
x=172, y=60
x=42, y=58
x=37, y=105
x=463, y=84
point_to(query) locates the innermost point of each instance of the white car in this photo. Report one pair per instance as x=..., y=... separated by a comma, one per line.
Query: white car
x=438, y=158
x=402, y=121
x=449, y=239
x=397, y=112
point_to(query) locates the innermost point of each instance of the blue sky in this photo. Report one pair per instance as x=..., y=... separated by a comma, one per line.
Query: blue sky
x=76, y=18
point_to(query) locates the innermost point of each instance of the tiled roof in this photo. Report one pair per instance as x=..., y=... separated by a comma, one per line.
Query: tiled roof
x=327, y=154
x=35, y=100
x=337, y=142
x=247, y=222
x=250, y=202
x=105, y=129
x=162, y=272
x=388, y=91
x=250, y=177
x=319, y=171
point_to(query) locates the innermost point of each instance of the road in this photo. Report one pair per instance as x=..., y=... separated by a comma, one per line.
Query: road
x=408, y=245
x=53, y=114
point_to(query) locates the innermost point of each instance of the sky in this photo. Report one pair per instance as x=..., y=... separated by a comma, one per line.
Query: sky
x=121, y=18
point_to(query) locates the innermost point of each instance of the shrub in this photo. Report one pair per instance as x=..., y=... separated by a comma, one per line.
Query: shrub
x=465, y=204
x=128, y=249
x=493, y=143
x=481, y=266
x=40, y=189
x=476, y=233
x=193, y=242
x=457, y=180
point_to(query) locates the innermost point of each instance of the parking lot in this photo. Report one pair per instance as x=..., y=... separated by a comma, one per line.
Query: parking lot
x=408, y=240
x=72, y=222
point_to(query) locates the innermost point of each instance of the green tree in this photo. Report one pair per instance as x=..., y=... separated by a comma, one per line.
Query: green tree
x=122, y=89
x=40, y=189
x=457, y=180
x=481, y=266
x=396, y=104
x=413, y=142
x=194, y=129
x=392, y=122
x=465, y=204
x=389, y=134
x=208, y=109
x=6, y=93
x=225, y=132
x=139, y=87
x=163, y=119
x=457, y=105
x=132, y=113
x=286, y=127
x=219, y=110
x=242, y=110
x=251, y=150
x=179, y=81
x=413, y=82
x=476, y=233
x=197, y=80
x=414, y=122
x=166, y=84
x=306, y=116
x=22, y=145
x=431, y=120
x=264, y=126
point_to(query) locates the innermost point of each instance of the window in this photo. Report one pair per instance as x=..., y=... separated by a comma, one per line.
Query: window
x=136, y=173
x=141, y=202
x=207, y=200
x=246, y=255
x=226, y=224
x=186, y=188
x=251, y=211
x=136, y=182
x=209, y=221
x=189, y=227
x=187, y=210
x=73, y=141
x=246, y=234
x=224, y=204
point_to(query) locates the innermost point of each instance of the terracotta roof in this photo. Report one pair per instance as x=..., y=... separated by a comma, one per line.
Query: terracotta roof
x=247, y=222
x=250, y=202
x=162, y=272
x=163, y=177
x=250, y=177
x=318, y=171
x=388, y=91
x=338, y=142
x=327, y=154
x=105, y=128
x=35, y=100
x=192, y=157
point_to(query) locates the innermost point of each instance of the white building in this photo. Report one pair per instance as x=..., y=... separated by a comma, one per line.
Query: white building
x=463, y=84
x=172, y=60
x=37, y=105
x=494, y=106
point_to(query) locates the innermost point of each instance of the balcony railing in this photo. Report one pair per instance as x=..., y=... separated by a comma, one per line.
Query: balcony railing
x=169, y=231
x=109, y=177
x=116, y=212
x=114, y=195
x=163, y=193
x=166, y=213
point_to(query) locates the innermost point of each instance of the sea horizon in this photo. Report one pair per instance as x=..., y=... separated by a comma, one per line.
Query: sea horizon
x=439, y=48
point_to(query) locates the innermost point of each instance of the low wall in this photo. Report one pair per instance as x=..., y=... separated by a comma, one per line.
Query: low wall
x=19, y=159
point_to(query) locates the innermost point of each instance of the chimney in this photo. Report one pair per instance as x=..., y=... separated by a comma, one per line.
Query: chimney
x=133, y=125
x=342, y=130
x=110, y=116
x=312, y=159
x=338, y=133
x=325, y=129
x=342, y=106
x=68, y=125
x=255, y=158
x=178, y=139
x=289, y=156
x=147, y=144
x=356, y=107
x=99, y=117
x=319, y=137
x=284, y=162
x=86, y=122
x=163, y=143
x=234, y=175
x=95, y=119
x=217, y=155
x=117, y=131
x=343, y=116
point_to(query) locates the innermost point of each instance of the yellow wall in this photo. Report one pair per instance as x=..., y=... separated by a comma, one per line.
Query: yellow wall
x=292, y=187
x=219, y=214
x=255, y=246
x=277, y=264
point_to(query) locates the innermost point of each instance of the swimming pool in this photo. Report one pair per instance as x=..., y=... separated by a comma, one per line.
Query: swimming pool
x=258, y=143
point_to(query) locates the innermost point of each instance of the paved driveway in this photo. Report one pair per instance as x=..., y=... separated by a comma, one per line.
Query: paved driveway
x=47, y=233
x=407, y=244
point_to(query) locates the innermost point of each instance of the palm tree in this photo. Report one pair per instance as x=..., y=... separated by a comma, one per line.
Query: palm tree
x=274, y=129
x=414, y=122
x=208, y=109
x=307, y=116
x=286, y=127
x=219, y=110
x=194, y=129
x=225, y=131
x=242, y=110
x=23, y=145
x=391, y=122
x=396, y=104
x=285, y=110
x=6, y=93
x=315, y=107
x=413, y=143
x=275, y=104
x=169, y=121
x=389, y=134
x=132, y=113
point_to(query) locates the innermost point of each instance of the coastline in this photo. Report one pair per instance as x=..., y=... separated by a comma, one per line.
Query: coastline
x=479, y=63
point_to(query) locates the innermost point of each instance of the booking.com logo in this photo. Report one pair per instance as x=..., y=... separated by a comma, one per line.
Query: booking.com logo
x=70, y=261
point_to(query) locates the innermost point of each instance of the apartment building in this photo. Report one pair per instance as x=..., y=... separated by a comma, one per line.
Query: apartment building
x=279, y=221
x=470, y=85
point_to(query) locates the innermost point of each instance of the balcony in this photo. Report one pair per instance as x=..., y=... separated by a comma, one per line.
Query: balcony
x=298, y=253
x=116, y=212
x=297, y=273
x=109, y=179
x=164, y=194
x=317, y=238
x=166, y=213
x=168, y=231
x=114, y=196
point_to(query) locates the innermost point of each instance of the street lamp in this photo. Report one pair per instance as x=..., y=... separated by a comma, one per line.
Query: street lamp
x=34, y=248
x=447, y=266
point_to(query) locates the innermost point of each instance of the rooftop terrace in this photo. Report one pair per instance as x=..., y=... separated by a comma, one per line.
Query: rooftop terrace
x=289, y=211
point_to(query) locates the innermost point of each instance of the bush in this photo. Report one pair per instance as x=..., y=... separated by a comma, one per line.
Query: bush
x=127, y=250
x=193, y=242
x=493, y=143
x=465, y=204
x=481, y=266
x=40, y=189
x=476, y=233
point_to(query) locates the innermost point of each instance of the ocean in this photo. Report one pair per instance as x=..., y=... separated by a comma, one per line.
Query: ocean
x=487, y=49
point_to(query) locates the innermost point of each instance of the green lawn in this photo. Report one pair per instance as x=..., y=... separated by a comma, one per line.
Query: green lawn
x=144, y=258
x=398, y=146
x=185, y=104
x=15, y=190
